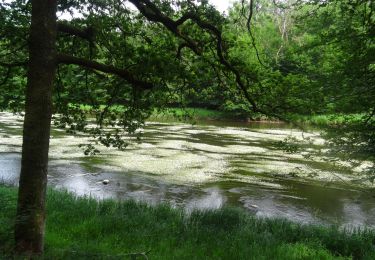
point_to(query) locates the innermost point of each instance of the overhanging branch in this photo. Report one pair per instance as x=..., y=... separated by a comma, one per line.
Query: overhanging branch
x=86, y=33
x=122, y=73
x=153, y=13
x=14, y=64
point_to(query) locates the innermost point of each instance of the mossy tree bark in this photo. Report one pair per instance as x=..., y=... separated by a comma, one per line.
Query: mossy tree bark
x=30, y=219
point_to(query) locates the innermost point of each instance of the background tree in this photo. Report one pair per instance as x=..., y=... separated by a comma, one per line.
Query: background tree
x=334, y=44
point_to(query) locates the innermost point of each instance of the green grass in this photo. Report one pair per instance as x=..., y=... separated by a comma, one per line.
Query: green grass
x=327, y=119
x=187, y=114
x=181, y=113
x=82, y=228
x=177, y=114
x=208, y=114
x=170, y=112
x=191, y=114
x=202, y=114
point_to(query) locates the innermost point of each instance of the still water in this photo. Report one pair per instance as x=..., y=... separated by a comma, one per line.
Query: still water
x=206, y=166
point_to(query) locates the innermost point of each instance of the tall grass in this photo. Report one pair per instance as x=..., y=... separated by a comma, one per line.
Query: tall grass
x=172, y=113
x=189, y=114
x=83, y=228
x=327, y=119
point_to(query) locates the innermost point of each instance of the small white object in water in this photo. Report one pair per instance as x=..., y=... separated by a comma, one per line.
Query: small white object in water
x=105, y=182
x=254, y=206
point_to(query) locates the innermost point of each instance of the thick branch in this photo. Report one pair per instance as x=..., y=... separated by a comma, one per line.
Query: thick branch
x=219, y=51
x=14, y=64
x=86, y=33
x=122, y=73
x=152, y=13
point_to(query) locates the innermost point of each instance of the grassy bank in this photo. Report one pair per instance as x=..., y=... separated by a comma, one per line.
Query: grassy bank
x=195, y=114
x=79, y=228
x=192, y=114
x=202, y=114
x=188, y=114
x=327, y=119
x=174, y=114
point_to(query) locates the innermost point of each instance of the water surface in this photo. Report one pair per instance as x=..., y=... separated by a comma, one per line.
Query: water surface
x=206, y=167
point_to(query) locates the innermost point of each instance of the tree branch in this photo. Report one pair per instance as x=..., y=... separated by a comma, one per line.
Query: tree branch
x=152, y=13
x=14, y=64
x=248, y=25
x=219, y=51
x=122, y=73
x=86, y=33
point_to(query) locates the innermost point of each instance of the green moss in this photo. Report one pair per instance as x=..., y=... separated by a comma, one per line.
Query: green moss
x=83, y=228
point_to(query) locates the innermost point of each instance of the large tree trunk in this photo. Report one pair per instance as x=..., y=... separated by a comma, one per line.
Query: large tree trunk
x=30, y=220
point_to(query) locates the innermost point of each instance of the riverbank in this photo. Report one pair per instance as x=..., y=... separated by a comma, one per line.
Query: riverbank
x=196, y=114
x=85, y=228
x=191, y=114
x=327, y=119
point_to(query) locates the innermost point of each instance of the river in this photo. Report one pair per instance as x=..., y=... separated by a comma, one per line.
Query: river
x=206, y=166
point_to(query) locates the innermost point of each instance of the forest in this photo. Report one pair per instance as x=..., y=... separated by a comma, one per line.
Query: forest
x=269, y=100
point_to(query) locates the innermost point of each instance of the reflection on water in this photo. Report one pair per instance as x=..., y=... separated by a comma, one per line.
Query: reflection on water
x=212, y=199
x=202, y=167
x=9, y=167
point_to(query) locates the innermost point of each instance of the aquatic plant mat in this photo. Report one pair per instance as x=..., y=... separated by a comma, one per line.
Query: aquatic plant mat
x=80, y=228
